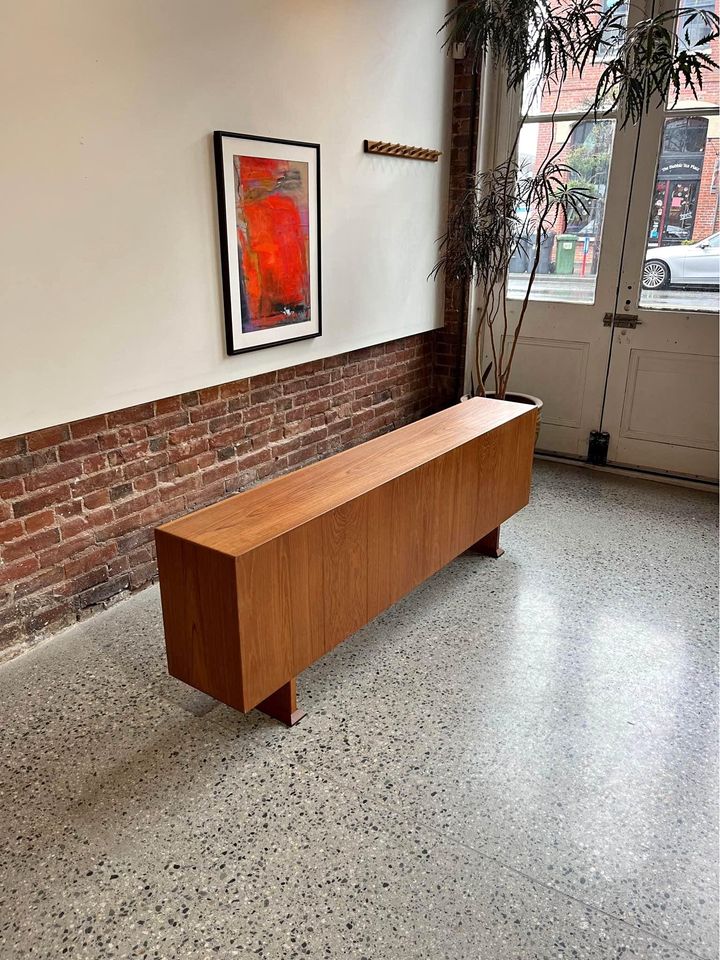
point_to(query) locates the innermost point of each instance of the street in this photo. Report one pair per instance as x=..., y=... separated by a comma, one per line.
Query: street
x=581, y=290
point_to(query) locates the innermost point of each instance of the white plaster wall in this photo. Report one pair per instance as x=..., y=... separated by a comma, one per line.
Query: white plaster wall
x=110, y=290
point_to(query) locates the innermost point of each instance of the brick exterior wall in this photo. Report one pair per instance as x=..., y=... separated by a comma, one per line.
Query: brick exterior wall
x=450, y=341
x=707, y=212
x=79, y=501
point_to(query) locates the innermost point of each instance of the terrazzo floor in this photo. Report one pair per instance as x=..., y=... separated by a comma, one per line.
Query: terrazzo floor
x=519, y=760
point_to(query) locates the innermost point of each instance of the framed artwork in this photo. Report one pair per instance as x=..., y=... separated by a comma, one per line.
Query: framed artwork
x=269, y=210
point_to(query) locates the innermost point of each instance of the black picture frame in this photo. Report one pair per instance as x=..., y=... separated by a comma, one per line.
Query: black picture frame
x=237, y=340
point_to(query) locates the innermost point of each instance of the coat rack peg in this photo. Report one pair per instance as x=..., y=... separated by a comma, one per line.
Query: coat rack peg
x=384, y=148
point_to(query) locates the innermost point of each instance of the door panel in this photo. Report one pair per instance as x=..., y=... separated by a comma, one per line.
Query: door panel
x=665, y=392
x=556, y=370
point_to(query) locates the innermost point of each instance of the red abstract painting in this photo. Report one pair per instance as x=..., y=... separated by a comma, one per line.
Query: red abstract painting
x=273, y=239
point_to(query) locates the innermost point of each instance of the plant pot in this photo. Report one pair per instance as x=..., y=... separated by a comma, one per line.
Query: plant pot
x=519, y=398
x=530, y=401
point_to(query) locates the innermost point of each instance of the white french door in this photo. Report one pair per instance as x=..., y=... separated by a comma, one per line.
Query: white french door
x=637, y=367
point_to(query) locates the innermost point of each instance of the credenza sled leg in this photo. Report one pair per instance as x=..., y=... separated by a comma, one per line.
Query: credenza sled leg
x=489, y=546
x=282, y=705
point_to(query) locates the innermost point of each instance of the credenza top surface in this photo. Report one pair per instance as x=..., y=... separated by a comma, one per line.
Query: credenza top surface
x=246, y=520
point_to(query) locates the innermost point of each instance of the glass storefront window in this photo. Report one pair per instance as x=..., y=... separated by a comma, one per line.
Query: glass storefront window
x=691, y=36
x=569, y=247
x=682, y=260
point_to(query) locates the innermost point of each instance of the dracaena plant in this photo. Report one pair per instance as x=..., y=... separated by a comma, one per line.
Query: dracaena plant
x=537, y=45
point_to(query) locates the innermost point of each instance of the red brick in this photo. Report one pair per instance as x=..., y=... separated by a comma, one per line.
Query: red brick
x=132, y=434
x=96, y=499
x=179, y=487
x=159, y=513
x=237, y=388
x=208, y=411
x=91, y=426
x=219, y=472
x=167, y=405
x=142, y=555
x=52, y=475
x=258, y=426
x=65, y=549
x=229, y=422
x=9, y=572
x=77, y=448
x=38, y=521
x=44, y=498
x=13, y=447
x=265, y=393
x=94, y=463
x=238, y=404
x=72, y=588
x=46, y=578
x=11, y=489
x=161, y=425
x=15, y=467
x=27, y=545
x=11, y=531
x=96, y=481
x=117, y=528
x=143, y=574
x=253, y=459
x=134, y=505
x=189, y=432
x=68, y=508
x=129, y=453
x=196, y=463
x=49, y=437
x=136, y=414
x=118, y=565
x=145, y=482
x=85, y=522
x=207, y=495
x=91, y=559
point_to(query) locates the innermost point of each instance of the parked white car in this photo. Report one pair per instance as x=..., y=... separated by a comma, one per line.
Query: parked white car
x=692, y=264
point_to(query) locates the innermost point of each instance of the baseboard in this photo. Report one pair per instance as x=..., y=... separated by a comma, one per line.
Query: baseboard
x=677, y=481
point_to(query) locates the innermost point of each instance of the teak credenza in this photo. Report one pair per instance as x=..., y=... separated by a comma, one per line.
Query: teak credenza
x=257, y=587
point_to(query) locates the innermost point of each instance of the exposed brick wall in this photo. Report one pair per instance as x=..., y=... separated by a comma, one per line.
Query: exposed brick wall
x=79, y=501
x=450, y=340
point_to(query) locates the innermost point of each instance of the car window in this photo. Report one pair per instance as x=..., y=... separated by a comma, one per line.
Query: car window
x=712, y=241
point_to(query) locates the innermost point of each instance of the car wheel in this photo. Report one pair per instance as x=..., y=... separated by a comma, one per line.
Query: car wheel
x=656, y=275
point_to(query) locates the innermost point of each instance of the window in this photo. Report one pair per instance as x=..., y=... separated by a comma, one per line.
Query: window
x=685, y=135
x=614, y=36
x=693, y=32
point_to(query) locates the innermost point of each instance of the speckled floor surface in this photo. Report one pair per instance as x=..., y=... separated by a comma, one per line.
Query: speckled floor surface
x=517, y=761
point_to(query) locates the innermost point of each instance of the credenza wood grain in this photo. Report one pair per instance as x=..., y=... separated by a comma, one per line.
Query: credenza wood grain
x=259, y=586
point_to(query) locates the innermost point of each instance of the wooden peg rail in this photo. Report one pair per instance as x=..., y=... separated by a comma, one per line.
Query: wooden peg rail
x=401, y=150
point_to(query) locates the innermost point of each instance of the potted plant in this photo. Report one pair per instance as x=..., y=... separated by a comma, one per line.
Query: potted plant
x=510, y=212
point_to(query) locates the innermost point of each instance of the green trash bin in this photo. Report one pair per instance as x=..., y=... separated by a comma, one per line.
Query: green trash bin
x=565, y=255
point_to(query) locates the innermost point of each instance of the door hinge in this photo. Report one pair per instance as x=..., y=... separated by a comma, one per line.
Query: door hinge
x=627, y=320
x=598, y=447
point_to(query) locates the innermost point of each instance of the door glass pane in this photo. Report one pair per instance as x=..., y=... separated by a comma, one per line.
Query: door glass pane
x=569, y=247
x=575, y=94
x=691, y=36
x=682, y=260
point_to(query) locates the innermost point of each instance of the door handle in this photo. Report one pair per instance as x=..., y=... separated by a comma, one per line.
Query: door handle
x=626, y=320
